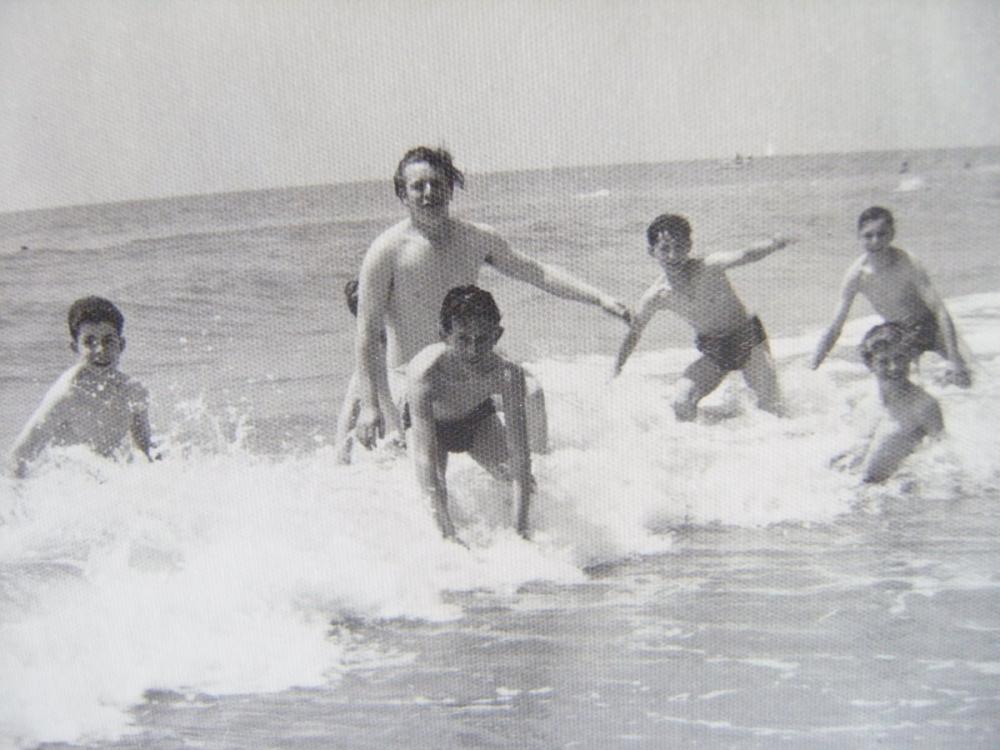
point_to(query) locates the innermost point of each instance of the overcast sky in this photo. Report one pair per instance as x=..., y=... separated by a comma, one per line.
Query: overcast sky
x=118, y=99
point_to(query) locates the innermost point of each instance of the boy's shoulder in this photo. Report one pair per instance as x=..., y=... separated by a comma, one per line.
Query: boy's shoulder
x=425, y=360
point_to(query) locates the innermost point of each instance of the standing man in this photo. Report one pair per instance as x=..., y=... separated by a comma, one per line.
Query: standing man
x=409, y=269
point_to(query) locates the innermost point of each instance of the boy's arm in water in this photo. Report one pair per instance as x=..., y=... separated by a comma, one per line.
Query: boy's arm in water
x=888, y=450
x=848, y=292
x=346, y=420
x=139, y=420
x=759, y=251
x=374, y=288
x=958, y=370
x=42, y=427
x=647, y=306
x=551, y=279
x=426, y=453
x=514, y=394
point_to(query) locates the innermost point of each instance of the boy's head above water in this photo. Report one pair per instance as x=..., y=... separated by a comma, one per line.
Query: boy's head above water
x=470, y=320
x=96, y=326
x=887, y=351
x=669, y=238
x=876, y=228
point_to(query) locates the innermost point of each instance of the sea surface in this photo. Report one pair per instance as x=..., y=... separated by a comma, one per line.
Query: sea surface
x=715, y=584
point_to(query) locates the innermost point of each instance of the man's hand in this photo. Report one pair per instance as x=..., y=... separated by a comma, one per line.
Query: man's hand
x=370, y=425
x=958, y=374
x=613, y=307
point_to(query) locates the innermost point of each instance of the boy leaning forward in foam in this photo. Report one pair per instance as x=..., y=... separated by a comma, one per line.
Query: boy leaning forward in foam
x=698, y=290
x=93, y=403
x=450, y=390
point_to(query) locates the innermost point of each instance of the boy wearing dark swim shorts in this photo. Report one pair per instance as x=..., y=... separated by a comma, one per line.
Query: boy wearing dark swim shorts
x=899, y=289
x=698, y=290
x=450, y=390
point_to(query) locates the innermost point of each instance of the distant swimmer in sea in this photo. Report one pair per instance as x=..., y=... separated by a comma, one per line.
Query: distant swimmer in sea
x=911, y=414
x=698, y=290
x=899, y=289
x=451, y=387
x=344, y=441
x=93, y=403
x=411, y=266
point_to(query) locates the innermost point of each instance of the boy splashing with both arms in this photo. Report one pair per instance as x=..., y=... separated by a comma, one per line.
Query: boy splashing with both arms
x=93, y=403
x=451, y=385
x=698, y=290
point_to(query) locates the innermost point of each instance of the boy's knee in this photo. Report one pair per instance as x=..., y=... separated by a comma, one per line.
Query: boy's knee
x=685, y=410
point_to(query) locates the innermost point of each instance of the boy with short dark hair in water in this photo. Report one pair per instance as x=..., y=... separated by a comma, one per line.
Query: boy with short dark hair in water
x=93, y=403
x=899, y=289
x=911, y=413
x=451, y=385
x=698, y=290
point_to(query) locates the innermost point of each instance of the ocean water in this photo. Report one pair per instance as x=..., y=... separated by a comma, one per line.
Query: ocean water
x=713, y=584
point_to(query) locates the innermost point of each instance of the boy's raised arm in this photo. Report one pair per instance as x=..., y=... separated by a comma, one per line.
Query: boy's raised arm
x=514, y=395
x=644, y=312
x=847, y=294
x=752, y=254
x=551, y=279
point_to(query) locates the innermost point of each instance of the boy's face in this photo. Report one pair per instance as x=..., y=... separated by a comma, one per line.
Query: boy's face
x=890, y=363
x=98, y=345
x=472, y=338
x=427, y=191
x=669, y=252
x=876, y=235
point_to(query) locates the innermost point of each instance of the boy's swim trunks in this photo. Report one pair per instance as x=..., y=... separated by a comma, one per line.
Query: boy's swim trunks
x=732, y=350
x=922, y=334
x=457, y=435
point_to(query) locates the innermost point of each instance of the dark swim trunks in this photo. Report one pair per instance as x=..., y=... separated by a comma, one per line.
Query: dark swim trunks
x=732, y=350
x=922, y=334
x=457, y=435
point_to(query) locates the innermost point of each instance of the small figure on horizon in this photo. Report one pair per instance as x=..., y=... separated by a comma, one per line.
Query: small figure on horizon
x=911, y=414
x=346, y=421
x=451, y=387
x=93, y=403
x=899, y=289
x=904, y=168
x=698, y=290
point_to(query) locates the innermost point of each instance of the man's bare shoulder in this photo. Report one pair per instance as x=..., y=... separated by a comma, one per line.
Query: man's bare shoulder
x=480, y=235
x=390, y=239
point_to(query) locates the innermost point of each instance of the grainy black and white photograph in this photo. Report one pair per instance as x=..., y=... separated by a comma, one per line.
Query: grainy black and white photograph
x=422, y=374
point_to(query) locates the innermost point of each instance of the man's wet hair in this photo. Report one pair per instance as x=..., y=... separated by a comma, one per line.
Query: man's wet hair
x=439, y=158
x=94, y=310
x=874, y=214
x=468, y=302
x=351, y=296
x=675, y=225
x=884, y=336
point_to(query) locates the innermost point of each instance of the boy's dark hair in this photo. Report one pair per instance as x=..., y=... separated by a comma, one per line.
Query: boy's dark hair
x=468, y=302
x=351, y=294
x=94, y=310
x=439, y=158
x=676, y=226
x=883, y=336
x=875, y=213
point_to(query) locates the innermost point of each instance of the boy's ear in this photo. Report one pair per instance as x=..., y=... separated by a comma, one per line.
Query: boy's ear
x=122, y=342
x=499, y=333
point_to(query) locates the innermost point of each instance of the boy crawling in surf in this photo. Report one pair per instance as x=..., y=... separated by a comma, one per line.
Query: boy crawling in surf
x=93, y=403
x=911, y=413
x=899, y=289
x=698, y=290
x=348, y=418
x=450, y=390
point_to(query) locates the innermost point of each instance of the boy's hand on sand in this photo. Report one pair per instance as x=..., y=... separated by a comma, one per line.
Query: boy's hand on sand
x=613, y=307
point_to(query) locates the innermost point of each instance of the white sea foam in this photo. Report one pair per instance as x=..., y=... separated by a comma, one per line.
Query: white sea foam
x=218, y=571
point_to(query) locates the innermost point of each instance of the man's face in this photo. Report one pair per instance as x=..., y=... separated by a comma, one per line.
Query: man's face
x=670, y=252
x=98, y=345
x=426, y=191
x=876, y=235
x=472, y=338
